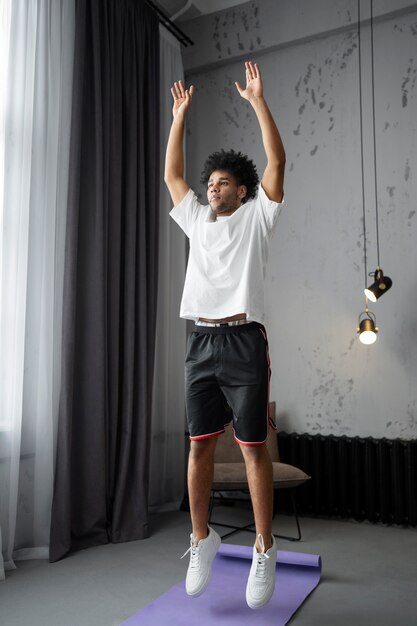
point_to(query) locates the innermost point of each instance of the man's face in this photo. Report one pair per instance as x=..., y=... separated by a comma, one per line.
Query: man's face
x=223, y=193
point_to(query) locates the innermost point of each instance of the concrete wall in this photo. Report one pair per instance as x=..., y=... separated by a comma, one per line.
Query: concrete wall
x=324, y=380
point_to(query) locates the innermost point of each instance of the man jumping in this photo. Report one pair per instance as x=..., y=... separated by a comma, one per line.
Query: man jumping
x=227, y=363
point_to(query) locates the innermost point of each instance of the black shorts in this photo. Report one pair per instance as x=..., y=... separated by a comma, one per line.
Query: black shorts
x=227, y=372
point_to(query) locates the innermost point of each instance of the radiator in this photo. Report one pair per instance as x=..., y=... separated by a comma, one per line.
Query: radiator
x=352, y=477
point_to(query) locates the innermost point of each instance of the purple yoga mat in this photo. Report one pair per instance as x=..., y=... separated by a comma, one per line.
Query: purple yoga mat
x=224, y=601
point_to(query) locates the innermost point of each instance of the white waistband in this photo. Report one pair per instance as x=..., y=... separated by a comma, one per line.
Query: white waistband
x=213, y=324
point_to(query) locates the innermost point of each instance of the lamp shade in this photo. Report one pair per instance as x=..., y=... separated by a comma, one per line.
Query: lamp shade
x=367, y=328
x=379, y=287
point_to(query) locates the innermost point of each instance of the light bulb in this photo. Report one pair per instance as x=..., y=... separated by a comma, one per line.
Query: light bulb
x=367, y=337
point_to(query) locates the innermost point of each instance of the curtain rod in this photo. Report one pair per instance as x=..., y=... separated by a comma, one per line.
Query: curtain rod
x=169, y=25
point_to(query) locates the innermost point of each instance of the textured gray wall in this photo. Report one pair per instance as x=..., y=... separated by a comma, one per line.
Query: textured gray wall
x=324, y=380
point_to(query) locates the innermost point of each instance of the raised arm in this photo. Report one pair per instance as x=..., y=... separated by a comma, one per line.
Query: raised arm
x=273, y=176
x=174, y=157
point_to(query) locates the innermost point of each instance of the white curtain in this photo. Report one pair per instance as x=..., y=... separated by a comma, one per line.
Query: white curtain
x=37, y=43
x=168, y=426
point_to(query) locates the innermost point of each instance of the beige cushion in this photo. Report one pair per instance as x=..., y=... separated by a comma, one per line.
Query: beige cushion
x=233, y=476
x=288, y=476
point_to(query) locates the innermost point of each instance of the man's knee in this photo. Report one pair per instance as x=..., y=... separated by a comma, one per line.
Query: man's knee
x=255, y=454
x=202, y=449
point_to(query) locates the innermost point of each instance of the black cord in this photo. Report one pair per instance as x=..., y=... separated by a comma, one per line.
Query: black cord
x=173, y=28
x=361, y=134
x=374, y=133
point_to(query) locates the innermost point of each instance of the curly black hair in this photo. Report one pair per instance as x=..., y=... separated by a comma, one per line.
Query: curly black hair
x=236, y=163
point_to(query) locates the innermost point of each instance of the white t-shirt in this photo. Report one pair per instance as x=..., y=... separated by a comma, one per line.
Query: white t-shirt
x=227, y=261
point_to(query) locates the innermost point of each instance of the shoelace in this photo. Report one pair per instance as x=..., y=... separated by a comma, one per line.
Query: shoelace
x=260, y=572
x=195, y=555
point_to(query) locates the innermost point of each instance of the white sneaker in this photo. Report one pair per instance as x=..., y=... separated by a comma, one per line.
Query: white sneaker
x=201, y=558
x=261, y=581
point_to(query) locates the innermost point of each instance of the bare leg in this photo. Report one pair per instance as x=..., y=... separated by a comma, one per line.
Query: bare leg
x=260, y=479
x=200, y=479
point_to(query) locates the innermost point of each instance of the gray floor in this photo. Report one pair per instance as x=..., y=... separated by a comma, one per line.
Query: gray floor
x=369, y=576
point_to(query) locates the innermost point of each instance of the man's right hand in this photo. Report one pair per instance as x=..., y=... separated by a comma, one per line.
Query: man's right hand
x=182, y=98
x=174, y=158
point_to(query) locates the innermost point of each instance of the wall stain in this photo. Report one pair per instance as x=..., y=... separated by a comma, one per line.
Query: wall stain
x=243, y=23
x=314, y=74
x=407, y=171
x=409, y=78
x=239, y=43
x=411, y=421
x=301, y=108
x=310, y=68
x=330, y=394
x=230, y=119
x=351, y=344
x=230, y=94
x=411, y=413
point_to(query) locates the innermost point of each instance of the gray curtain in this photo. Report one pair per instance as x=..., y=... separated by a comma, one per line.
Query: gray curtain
x=110, y=281
x=167, y=460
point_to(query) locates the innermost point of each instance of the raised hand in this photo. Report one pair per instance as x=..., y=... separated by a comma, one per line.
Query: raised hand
x=182, y=98
x=254, y=87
